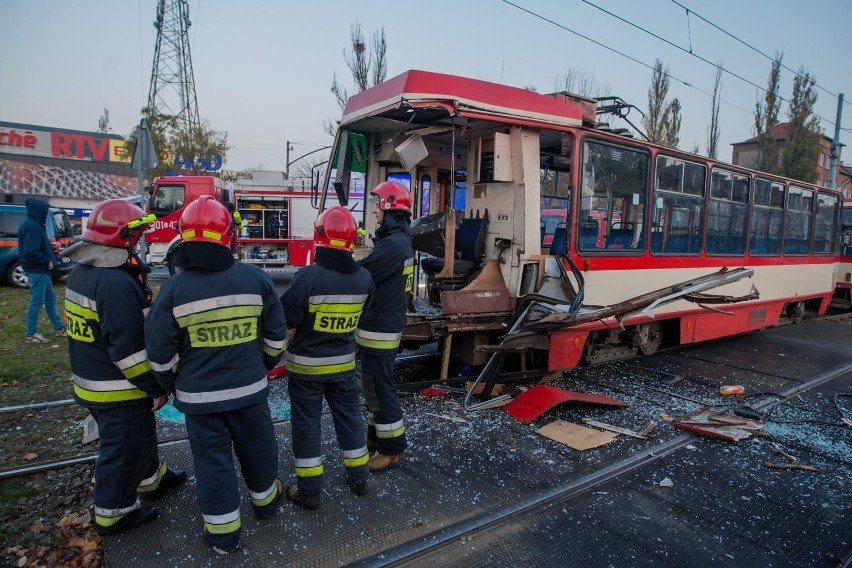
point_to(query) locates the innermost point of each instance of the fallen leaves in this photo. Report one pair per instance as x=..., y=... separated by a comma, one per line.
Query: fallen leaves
x=29, y=456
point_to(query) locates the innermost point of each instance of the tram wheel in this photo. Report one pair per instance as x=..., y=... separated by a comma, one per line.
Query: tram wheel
x=650, y=337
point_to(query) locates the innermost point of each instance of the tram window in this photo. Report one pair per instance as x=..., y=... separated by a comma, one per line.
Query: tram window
x=678, y=207
x=825, y=224
x=799, y=212
x=728, y=212
x=766, y=218
x=613, y=181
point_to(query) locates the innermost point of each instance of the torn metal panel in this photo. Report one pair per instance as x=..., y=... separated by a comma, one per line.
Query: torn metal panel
x=717, y=424
x=539, y=399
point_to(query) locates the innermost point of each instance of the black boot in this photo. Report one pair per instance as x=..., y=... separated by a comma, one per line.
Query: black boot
x=359, y=488
x=129, y=521
x=172, y=478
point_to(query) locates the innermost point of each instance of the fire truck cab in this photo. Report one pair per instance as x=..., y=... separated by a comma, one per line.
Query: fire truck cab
x=167, y=197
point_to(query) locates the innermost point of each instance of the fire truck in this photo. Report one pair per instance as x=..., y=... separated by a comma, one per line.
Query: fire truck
x=276, y=228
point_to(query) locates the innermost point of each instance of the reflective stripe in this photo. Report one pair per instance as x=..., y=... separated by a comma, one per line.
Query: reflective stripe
x=108, y=517
x=308, y=467
x=220, y=395
x=81, y=305
x=390, y=430
x=377, y=340
x=274, y=348
x=151, y=483
x=102, y=386
x=110, y=396
x=342, y=303
x=190, y=234
x=265, y=498
x=409, y=262
x=355, y=458
x=320, y=365
x=134, y=365
x=207, y=310
x=162, y=368
x=222, y=524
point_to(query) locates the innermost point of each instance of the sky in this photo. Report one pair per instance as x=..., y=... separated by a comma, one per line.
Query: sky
x=263, y=68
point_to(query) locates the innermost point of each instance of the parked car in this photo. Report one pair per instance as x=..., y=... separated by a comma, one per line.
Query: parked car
x=59, y=230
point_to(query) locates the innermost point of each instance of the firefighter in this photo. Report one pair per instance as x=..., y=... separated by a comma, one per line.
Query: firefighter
x=323, y=307
x=391, y=265
x=214, y=331
x=105, y=305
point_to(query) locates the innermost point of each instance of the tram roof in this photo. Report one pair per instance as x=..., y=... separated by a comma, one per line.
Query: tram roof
x=467, y=97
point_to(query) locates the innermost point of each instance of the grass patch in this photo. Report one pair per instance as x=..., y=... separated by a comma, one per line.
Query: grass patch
x=31, y=372
x=13, y=490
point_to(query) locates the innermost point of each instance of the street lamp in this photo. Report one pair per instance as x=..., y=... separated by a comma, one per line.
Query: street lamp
x=291, y=162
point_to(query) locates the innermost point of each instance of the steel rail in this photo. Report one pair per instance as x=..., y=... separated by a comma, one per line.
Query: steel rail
x=416, y=551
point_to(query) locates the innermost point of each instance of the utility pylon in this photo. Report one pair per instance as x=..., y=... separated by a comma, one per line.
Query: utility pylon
x=172, y=90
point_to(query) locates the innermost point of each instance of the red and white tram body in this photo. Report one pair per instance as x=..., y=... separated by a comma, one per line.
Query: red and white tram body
x=638, y=217
x=843, y=292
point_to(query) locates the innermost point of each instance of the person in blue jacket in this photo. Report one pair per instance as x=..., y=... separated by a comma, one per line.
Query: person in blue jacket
x=214, y=331
x=37, y=260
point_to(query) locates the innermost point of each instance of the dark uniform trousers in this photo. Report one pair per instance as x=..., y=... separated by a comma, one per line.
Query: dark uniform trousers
x=385, y=426
x=256, y=448
x=128, y=463
x=341, y=394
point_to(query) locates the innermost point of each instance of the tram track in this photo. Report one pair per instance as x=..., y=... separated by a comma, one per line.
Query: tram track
x=417, y=551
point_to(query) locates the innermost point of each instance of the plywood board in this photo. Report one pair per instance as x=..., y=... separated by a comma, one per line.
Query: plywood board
x=576, y=436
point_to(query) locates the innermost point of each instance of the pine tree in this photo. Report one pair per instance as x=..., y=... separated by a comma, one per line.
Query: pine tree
x=766, y=118
x=802, y=146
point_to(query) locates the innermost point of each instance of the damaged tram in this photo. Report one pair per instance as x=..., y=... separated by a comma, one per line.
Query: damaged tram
x=647, y=230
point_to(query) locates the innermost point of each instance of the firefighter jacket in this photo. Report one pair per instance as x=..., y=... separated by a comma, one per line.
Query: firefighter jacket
x=105, y=312
x=213, y=332
x=324, y=305
x=391, y=265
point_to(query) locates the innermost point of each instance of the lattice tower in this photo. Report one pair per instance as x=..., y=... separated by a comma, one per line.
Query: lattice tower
x=172, y=90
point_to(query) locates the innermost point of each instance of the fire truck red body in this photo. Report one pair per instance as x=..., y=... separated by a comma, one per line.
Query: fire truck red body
x=276, y=231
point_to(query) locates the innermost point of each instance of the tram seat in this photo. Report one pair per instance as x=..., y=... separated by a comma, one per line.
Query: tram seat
x=619, y=238
x=557, y=247
x=589, y=235
x=470, y=249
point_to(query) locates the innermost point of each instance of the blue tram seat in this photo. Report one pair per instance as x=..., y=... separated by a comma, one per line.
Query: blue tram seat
x=619, y=238
x=589, y=234
x=557, y=247
x=469, y=247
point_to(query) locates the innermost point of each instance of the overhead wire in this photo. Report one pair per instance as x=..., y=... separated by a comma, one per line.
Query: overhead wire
x=732, y=36
x=669, y=75
x=621, y=53
x=704, y=59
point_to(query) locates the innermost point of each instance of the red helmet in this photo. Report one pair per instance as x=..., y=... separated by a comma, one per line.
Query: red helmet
x=393, y=196
x=336, y=228
x=205, y=220
x=116, y=223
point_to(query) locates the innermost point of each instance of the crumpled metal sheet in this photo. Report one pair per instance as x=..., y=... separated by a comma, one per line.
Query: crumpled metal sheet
x=539, y=399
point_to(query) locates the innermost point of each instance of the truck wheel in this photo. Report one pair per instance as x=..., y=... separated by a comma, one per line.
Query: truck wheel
x=16, y=276
x=170, y=261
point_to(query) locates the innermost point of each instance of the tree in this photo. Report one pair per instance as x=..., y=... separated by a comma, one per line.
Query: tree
x=802, y=146
x=368, y=67
x=713, y=129
x=662, y=122
x=766, y=118
x=203, y=151
x=581, y=82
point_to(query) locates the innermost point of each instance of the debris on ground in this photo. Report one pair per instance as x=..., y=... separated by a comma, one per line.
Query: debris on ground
x=642, y=434
x=541, y=398
x=576, y=436
x=789, y=466
x=715, y=423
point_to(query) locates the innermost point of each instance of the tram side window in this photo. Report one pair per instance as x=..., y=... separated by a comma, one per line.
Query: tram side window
x=825, y=224
x=766, y=218
x=678, y=207
x=800, y=206
x=728, y=212
x=555, y=150
x=614, y=183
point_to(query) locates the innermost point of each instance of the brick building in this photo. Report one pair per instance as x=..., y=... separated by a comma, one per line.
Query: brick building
x=746, y=153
